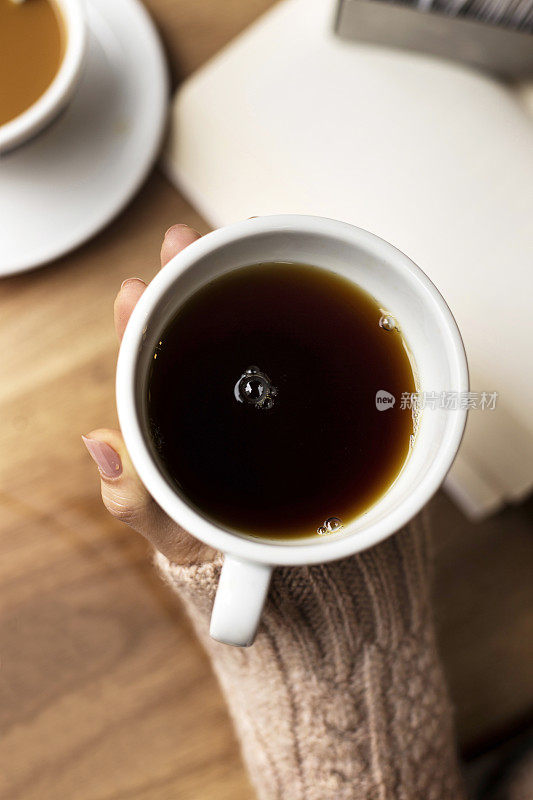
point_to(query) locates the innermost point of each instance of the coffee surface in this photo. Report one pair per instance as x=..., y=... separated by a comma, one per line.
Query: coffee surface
x=262, y=401
x=31, y=49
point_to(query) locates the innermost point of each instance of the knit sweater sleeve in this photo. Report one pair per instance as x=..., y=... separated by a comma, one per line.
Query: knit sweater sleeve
x=342, y=695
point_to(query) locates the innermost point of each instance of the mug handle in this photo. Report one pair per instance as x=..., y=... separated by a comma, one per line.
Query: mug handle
x=239, y=601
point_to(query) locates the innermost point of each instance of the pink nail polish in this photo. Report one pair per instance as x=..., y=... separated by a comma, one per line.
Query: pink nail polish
x=107, y=460
x=130, y=280
x=176, y=225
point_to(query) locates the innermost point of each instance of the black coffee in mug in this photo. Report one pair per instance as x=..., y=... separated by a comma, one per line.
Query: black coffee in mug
x=262, y=401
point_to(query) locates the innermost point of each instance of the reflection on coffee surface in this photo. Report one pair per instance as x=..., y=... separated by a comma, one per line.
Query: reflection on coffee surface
x=263, y=405
x=32, y=42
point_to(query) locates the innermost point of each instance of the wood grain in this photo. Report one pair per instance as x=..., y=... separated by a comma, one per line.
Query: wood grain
x=104, y=692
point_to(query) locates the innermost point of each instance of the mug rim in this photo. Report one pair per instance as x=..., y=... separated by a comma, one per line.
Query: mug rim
x=43, y=110
x=210, y=532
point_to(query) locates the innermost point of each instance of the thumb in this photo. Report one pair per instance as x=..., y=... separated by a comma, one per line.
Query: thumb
x=123, y=493
x=126, y=499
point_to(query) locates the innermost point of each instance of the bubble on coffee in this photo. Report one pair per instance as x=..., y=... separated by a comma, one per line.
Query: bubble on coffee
x=387, y=322
x=255, y=388
x=331, y=525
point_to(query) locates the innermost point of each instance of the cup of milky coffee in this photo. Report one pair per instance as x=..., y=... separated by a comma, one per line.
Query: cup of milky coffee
x=265, y=389
x=42, y=44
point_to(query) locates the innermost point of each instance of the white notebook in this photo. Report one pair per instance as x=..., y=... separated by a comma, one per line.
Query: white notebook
x=432, y=156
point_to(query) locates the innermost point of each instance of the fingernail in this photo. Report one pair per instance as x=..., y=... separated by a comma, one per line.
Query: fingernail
x=130, y=280
x=176, y=225
x=107, y=460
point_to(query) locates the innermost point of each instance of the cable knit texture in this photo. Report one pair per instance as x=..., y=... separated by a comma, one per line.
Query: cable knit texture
x=342, y=695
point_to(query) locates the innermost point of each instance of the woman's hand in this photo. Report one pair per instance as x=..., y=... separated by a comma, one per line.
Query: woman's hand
x=123, y=493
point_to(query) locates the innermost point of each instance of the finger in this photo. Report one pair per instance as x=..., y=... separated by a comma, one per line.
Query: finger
x=126, y=499
x=125, y=302
x=177, y=238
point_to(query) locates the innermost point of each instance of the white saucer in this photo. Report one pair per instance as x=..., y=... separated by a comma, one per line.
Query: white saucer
x=60, y=189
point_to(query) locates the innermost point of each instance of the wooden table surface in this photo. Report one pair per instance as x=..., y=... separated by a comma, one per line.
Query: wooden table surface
x=104, y=692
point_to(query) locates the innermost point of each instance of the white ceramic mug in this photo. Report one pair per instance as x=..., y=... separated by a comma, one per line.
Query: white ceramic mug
x=428, y=328
x=50, y=104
